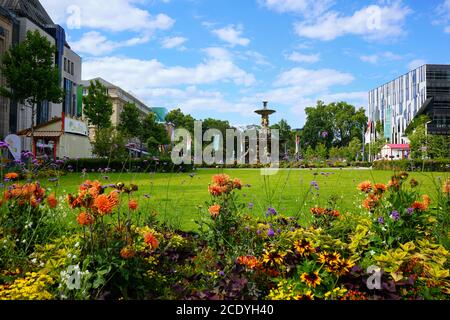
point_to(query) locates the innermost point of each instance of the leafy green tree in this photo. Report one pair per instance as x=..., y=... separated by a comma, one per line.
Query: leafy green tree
x=110, y=143
x=130, y=121
x=318, y=126
x=354, y=149
x=321, y=152
x=98, y=107
x=285, y=134
x=154, y=134
x=310, y=154
x=180, y=120
x=30, y=74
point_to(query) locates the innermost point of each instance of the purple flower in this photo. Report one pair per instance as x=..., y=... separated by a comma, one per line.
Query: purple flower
x=315, y=184
x=381, y=220
x=410, y=211
x=221, y=273
x=324, y=134
x=4, y=144
x=258, y=232
x=6, y=180
x=271, y=233
x=395, y=215
x=251, y=206
x=271, y=212
x=278, y=230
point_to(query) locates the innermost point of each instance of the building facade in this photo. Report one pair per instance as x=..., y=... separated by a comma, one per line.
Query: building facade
x=8, y=29
x=119, y=99
x=424, y=90
x=31, y=16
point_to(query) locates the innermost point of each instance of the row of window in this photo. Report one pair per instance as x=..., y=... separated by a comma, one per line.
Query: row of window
x=69, y=66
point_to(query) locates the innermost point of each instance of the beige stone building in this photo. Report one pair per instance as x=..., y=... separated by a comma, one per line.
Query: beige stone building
x=119, y=98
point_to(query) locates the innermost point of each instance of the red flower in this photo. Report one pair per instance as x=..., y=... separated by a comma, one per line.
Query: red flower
x=133, y=205
x=214, y=210
x=52, y=201
x=85, y=219
x=151, y=240
x=127, y=253
x=365, y=186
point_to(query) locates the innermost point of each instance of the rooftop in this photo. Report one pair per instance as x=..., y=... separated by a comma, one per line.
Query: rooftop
x=31, y=9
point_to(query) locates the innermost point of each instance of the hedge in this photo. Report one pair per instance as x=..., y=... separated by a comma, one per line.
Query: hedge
x=441, y=165
x=133, y=165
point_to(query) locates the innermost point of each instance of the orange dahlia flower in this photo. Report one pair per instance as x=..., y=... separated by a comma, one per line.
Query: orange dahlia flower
x=214, y=210
x=103, y=205
x=52, y=201
x=127, y=253
x=365, y=186
x=11, y=176
x=133, y=205
x=85, y=219
x=221, y=179
x=151, y=240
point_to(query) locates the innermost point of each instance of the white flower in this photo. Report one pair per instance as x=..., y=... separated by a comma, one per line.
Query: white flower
x=33, y=261
x=74, y=257
x=77, y=245
x=42, y=264
x=372, y=252
x=69, y=255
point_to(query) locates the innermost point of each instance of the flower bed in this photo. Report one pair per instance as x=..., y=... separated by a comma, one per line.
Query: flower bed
x=394, y=247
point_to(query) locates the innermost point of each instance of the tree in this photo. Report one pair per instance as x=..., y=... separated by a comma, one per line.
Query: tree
x=30, y=75
x=354, y=149
x=180, y=120
x=285, y=133
x=154, y=133
x=98, y=107
x=130, y=121
x=109, y=143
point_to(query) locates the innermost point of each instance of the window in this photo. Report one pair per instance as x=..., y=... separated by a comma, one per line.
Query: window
x=65, y=64
x=71, y=68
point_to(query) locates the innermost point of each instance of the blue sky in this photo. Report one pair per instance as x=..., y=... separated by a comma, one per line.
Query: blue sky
x=221, y=58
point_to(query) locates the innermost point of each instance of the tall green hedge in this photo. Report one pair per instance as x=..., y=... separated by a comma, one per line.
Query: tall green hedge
x=133, y=165
x=441, y=165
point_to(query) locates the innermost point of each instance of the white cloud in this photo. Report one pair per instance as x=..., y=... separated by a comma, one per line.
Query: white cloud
x=416, y=63
x=111, y=15
x=373, y=23
x=256, y=57
x=382, y=57
x=308, y=58
x=173, y=42
x=232, y=35
x=304, y=7
x=135, y=74
x=313, y=80
x=96, y=44
x=370, y=58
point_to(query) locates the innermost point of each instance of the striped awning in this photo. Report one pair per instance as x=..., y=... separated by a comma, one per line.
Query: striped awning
x=42, y=134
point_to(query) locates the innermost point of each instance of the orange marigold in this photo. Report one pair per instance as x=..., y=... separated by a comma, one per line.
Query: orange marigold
x=214, y=210
x=379, y=188
x=365, y=186
x=446, y=187
x=237, y=184
x=426, y=200
x=250, y=262
x=151, y=240
x=417, y=205
x=34, y=203
x=216, y=190
x=127, y=253
x=11, y=176
x=52, y=201
x=133, y=204
x=103, y=205
x=85, y=219
x=221, y=179
x=371, y=202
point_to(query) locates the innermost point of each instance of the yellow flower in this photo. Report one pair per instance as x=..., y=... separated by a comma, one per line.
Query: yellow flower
x=311, y=279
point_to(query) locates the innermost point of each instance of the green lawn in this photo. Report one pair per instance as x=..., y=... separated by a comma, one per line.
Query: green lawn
x=178, y=197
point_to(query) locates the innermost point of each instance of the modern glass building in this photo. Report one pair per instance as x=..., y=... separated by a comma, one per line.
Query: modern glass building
x=425, y=90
